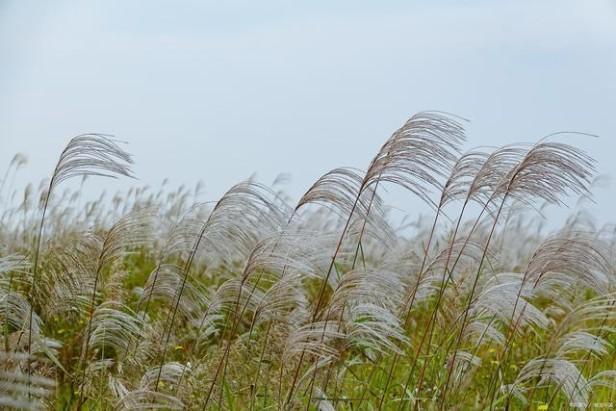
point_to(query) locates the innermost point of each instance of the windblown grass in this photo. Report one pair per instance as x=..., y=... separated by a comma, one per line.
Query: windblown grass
x=152, y=300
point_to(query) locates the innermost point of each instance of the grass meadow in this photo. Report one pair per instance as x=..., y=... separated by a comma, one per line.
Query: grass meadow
x=152, y=299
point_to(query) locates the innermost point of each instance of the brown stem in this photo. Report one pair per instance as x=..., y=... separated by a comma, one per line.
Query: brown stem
x=470, y=301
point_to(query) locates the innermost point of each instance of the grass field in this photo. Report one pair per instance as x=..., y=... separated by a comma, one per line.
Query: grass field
x=151, y=300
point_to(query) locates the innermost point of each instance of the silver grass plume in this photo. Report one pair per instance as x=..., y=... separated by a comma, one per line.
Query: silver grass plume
x=572, y=258
x=415, y=157
x=244, y=213
x=419, y=154
x=19, y=390
x=86, y=154
x=548, y=171
x=129, y=232
x=468, y=181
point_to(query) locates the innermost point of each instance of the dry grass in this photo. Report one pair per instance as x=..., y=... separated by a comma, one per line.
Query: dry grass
x=151, y=300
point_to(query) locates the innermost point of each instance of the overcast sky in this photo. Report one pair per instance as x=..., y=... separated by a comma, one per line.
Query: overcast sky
x=209, y=91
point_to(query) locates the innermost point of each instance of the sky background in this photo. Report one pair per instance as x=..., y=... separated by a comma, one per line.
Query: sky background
x=208, y=91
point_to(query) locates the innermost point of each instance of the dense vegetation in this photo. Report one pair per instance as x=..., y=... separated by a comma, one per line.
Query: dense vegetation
x=151, y=300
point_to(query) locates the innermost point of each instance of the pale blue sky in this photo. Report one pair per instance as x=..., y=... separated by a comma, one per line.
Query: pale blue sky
x=212, y=91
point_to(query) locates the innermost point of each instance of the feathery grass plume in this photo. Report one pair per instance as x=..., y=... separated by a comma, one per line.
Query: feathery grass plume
x=91, y=155
x=300, y=258
x=177, y=236
x=334, y=189
x=18, y=161
x=86, y=154
x=322, y=403
x=15, y=313
x=580, y=256
x=113, y=326
x=472, y=177
x=340, y=190
x=582, y=341
x=170, y=375
x=505, y=296
x=605, y=379
x=308, y=339
x=244, y=213
x=478, y=332
x=456, y=186
x=364, y=302
x=226, y=292
x=567, y=258
x=277, y=262
x=579, y=331
x=162, y=286
x=126, y=234
x=561, y=372
x=165, y=278
x=465, y=363
x=548, y=171
x=419, y=154
x=459, y=170
x=415, y=157
x=374, y=328
x=13, y=319
x=19, y=390
x=65, y=282
x=274, y=258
